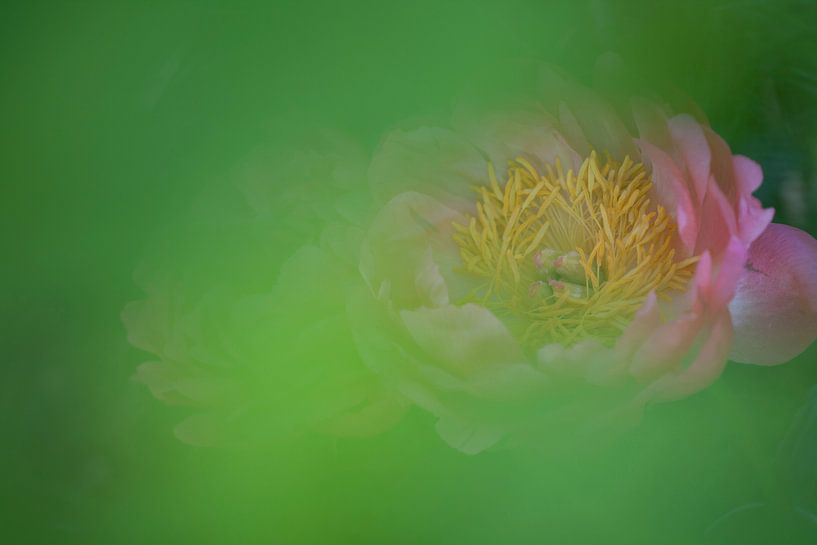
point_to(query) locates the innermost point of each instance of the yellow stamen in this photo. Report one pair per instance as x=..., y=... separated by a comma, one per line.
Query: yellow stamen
x=616, y=246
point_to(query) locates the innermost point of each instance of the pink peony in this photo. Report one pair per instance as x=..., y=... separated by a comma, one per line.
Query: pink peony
x=529, y=266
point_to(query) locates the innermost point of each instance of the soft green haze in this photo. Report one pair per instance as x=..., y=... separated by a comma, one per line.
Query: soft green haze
x=122, y=123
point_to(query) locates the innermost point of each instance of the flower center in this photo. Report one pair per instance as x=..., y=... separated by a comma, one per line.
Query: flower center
x=573, y=255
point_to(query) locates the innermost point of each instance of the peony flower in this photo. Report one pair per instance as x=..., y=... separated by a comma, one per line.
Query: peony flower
x=534, y=267
x=511, y=273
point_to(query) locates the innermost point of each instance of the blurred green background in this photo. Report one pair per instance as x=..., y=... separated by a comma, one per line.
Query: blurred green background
x=116, y=115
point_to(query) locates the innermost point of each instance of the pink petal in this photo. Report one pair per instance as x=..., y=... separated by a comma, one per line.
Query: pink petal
x=701, y=281
x=669, y=344
x=691, y=142
x=707, y=365
x=729, y=272
x=644, y=322
x=722, y=165
x=717, y=222
x=775, y=307
x=665, y=347
x=671, y=191
x=752, y=217
x=748, y=173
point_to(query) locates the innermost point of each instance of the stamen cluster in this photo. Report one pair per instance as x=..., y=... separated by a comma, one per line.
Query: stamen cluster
x=572, y=254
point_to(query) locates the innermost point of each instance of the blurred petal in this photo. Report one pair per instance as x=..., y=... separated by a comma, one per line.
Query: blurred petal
x=147, y=323
x=588, y=114
x=774, y=310
x=586, y=359
x=430, y=283
x=573, y=132
x=410, y=249
x=468, y=437
x=177, y=385
x=465, y=340
x=652, y=123
x=505, y=136
x=430, y=160
x=382, y=410
x=379, y=346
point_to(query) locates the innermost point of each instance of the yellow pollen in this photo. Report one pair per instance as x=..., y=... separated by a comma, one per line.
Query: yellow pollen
x=574, y=255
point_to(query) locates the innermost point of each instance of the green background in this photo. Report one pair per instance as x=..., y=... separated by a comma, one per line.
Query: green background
x=116, y=114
